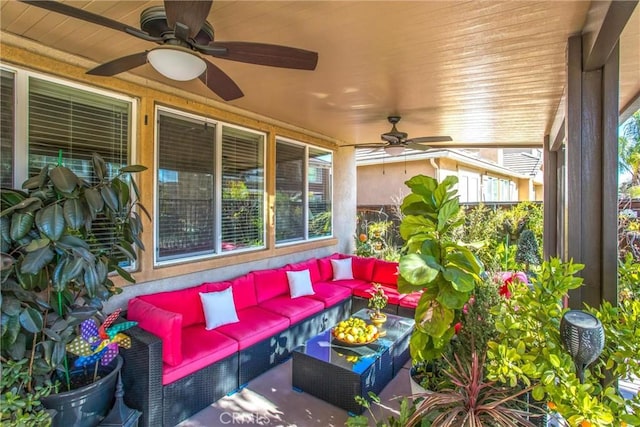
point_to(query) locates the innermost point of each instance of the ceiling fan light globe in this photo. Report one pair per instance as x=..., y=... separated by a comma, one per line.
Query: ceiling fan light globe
x=394, y=150
x=176, y=63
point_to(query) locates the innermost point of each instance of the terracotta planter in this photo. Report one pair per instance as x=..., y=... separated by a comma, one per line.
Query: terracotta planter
x=86, y=406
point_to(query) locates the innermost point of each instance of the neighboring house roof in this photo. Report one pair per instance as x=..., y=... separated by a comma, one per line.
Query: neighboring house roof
x=377, y=156
x=523, y=163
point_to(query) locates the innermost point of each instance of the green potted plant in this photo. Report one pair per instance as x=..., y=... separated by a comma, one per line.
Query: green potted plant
x=376, y=304
x=446, y=269
x=56, y=269
x=528, y=349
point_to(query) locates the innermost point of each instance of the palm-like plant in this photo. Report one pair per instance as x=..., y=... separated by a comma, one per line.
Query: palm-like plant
x=629, y=149
x=471, y=401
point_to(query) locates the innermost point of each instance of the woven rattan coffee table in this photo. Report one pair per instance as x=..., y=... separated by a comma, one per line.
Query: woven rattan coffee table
x=336, y=373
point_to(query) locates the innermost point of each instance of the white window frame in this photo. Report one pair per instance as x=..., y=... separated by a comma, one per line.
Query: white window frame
x=305, y=197
x=217, y=196
x=21, y=122
x=21, y=109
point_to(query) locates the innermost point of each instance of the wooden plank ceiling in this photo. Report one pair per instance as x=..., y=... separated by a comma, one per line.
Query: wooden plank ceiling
x=482, y=72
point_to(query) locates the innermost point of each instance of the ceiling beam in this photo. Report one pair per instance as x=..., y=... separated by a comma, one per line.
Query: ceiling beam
x=628, y=110
x=601, y=32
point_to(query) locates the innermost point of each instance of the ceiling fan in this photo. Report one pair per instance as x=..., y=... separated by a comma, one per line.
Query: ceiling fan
x=395, y=142
x=184, y=36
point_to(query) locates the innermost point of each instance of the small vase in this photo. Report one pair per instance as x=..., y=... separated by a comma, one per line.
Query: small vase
x=378, y=319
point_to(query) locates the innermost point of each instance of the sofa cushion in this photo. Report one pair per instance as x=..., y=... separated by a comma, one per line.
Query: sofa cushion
x=295, y=309
x=351, y=284
x=311, y=265
x=165, y=324
x=219, y=308
x=330, y=294
x=200, y=348
x=299, y=283
x=270, y=283
x=255, y=325
x=324, y=265
x=363, y=267
x=410, y=300
x=366, y=290
x=342, y=269
x=244, y=291
x=385, y=272
x=184, y=301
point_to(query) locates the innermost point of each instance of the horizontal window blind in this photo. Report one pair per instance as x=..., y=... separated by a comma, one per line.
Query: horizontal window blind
x=185, y=217
x=7, y=123
x=243, y=187
x=319, y=193
x=290, y=181
x=76, y=123
x=67, y=125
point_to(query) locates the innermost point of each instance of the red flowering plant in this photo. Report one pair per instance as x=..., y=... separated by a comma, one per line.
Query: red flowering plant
x=505, y=279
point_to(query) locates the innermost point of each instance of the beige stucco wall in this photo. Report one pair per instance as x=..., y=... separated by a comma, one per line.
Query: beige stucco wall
x=379, y=186
x=525, y=189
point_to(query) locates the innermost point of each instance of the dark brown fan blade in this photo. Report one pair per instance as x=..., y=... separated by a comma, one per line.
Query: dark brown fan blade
x=220, y=83
x=430, y=139
x=119, y=65
x=372, y=145
x=414, y=146
x=264, y=54
x=73, y=12
x=190, y=13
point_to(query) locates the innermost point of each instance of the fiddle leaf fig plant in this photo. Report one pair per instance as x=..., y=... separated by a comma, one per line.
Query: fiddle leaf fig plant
x=446, y=269
x=60, y=238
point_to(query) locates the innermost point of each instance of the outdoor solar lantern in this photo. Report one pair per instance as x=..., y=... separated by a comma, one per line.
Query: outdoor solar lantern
x=583, y=336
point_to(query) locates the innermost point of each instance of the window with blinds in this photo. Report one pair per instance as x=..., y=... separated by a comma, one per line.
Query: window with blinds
x=243, y=189
x=66, y=125
x=7, y=123
x=290, y=182
x=319, y=193
x=303, y=192
x=186, y=187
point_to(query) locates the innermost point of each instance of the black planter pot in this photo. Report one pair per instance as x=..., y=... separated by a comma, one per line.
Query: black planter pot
x=86, y=406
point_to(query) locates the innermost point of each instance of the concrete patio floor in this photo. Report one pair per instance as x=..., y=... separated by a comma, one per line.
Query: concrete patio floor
x=269, y=400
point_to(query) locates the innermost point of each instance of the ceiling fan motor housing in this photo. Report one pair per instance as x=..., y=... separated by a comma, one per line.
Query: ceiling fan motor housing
x=153, y=21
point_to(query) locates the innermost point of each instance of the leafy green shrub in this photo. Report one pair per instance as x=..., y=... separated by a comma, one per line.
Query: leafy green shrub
x=496, y=231
x=529, y=350
x=19, y=404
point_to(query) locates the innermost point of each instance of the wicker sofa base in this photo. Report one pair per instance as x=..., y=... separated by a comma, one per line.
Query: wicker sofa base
x=262, y=356
x=190, y=394
x=167, y=405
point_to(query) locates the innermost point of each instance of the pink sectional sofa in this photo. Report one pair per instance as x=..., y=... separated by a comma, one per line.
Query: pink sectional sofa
x=176, y=366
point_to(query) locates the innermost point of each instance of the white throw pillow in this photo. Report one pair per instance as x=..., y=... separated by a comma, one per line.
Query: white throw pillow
x=300, y=283
x=218, y=308
x=342, y=269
